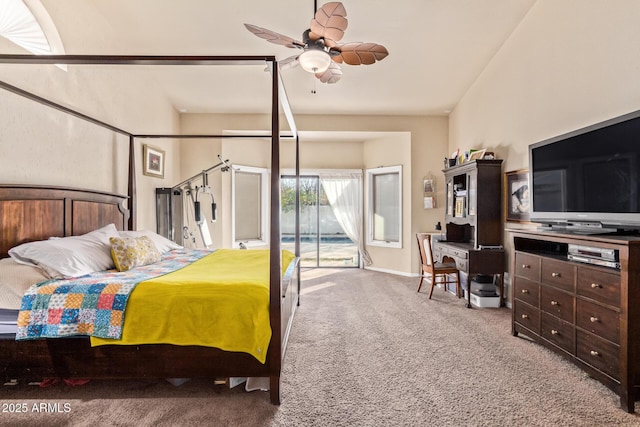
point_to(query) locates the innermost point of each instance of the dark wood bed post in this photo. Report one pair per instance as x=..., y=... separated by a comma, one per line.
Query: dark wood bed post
x=297, y=229
x=131, y=192
x=275, y=347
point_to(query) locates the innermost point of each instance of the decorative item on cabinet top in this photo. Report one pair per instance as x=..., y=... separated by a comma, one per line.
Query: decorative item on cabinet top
x=458, y=157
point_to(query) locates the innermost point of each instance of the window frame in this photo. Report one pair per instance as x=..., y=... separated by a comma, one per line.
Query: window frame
x=264, y=208
x=370, y=216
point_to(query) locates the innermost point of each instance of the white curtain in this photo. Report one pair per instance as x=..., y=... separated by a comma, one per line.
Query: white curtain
x=344, y=192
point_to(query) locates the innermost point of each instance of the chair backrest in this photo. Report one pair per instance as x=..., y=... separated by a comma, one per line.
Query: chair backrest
x=424, y=243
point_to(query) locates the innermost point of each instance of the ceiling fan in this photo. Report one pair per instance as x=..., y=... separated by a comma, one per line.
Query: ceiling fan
x=321, y=52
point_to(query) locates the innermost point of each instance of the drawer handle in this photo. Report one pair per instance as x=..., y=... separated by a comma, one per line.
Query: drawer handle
x=554, y=302
x=593, y=319
x=525, y=291
x=526, y=266
x=594, y=353
x=595, y=286
x=525, y=316
x=556, y=275
x=554, y=332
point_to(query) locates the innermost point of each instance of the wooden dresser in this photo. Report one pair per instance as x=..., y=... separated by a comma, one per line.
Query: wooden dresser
x=585, y=312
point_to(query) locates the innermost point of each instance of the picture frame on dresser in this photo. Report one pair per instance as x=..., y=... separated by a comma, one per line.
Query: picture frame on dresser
x=153, y=160
x=516, y=196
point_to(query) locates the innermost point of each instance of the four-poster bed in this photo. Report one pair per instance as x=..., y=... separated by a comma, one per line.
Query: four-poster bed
x=32, y=212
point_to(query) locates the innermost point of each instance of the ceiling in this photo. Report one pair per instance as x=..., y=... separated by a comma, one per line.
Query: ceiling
x=437, y=48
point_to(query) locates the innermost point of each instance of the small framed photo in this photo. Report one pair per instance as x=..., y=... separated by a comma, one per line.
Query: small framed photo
x=427, y=186
x=477, y=155
x=153, y=160
x=516, y=196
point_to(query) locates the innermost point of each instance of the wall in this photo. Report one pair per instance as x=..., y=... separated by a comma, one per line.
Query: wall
x=569, y=64
x=40, y=145
x=422, y=155
x=392, y=150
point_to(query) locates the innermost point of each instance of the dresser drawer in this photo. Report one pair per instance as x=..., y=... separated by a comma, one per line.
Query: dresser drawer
x=598, y=320
x=557, y=302
x=599, y=285
x=558, y=331
x=528, y=266
x=558, y=273
x=458, y=253
x=527, y=316
x=598, y=353
x=451, y=251
x=461, y=264
x=527, y=291
x=446, y=256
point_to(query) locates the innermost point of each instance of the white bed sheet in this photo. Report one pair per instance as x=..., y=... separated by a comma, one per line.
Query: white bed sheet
x=15, y=279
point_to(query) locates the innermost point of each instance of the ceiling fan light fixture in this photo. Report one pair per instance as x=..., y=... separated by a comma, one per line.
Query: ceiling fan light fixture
x=315, y=60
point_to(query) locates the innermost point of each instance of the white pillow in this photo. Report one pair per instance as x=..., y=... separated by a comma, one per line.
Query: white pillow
x=162, y=243
x=72, y=256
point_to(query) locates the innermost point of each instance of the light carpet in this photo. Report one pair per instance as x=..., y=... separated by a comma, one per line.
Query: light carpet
x=365, y=350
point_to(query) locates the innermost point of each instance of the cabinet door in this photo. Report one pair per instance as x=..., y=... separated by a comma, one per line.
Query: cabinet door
x=449, y=197
x=472, y=192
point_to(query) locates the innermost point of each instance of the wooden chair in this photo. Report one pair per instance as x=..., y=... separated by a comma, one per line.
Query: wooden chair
x=436, y=270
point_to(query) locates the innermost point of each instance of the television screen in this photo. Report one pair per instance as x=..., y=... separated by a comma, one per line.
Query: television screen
x=588, y=175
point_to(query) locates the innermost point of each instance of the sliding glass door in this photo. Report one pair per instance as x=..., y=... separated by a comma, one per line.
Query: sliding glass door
x=323, y=242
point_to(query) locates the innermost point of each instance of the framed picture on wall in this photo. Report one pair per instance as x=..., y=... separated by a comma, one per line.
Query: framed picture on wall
x=516, y=197
x=153, y=160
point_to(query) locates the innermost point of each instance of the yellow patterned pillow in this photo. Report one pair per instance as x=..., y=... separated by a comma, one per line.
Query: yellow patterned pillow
x=129, y=252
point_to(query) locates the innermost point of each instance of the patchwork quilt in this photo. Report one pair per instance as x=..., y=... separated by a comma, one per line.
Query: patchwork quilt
x=90, y=305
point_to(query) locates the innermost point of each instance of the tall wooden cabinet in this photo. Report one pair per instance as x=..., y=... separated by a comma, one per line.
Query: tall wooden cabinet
x=472, y=220
x=588, y=313
x=473, y=195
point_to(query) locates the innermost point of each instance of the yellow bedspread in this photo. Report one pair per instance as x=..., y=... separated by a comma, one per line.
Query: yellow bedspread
x=221, y=300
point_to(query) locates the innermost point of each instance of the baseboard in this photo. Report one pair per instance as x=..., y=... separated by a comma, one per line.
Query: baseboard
x=397, y=273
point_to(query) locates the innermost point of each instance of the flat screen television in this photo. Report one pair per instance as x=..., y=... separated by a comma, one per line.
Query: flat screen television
x=587, y=180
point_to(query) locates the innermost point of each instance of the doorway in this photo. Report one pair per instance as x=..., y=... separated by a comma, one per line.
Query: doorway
x=323, y=243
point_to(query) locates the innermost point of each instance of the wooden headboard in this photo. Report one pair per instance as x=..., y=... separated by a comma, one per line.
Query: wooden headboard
x=29, y=213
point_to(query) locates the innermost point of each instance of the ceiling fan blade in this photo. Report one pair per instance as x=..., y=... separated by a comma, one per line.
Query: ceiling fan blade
x=329, y=23
x=285, y=64
x=273, y=37
x=332, y=75
x=290, y=62
x=360, y=53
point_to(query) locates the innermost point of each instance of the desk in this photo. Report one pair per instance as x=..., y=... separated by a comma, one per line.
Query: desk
x=473, y=261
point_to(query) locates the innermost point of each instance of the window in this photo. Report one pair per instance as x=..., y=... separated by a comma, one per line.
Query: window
x=28, y=24
x=384, y=213
x=249, y=206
